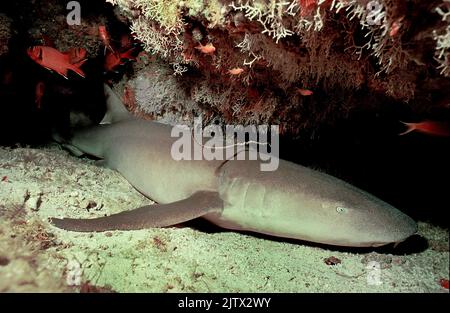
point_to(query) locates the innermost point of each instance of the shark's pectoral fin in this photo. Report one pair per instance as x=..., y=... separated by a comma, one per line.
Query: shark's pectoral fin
x=158, y=215
x=63, y=142
x=74, y=150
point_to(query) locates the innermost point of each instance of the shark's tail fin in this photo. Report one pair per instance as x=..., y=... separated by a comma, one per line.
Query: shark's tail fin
x=116, y=111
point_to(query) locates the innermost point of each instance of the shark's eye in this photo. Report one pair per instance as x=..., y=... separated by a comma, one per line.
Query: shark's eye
x=341, y=209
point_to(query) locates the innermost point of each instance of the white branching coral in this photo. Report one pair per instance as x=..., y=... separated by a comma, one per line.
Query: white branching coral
x=269, y=15
x=5, y=33
x=165, y=13
x=443, y=40
x=281, y=19
x=159, y=24
x=445, y=14
x=245, y=47
x=373, y=17
x=443, y=52
x=155, y=39
x=157, y=91
x=179, y=69
x=274, y=15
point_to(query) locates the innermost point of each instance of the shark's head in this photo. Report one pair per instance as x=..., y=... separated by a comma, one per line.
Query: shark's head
x=300, y=203
x=328, y=210
x=344, y=215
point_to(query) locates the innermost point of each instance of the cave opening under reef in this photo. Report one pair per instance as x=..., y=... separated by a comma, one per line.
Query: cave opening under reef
x=341, y=79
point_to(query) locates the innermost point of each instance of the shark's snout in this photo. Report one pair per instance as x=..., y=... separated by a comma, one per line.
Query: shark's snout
x=376, y=223
x=396, y=229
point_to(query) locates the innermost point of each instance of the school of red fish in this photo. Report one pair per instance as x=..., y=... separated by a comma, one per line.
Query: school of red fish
x=61, y=62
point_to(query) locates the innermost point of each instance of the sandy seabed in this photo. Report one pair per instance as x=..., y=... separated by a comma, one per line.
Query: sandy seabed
x=35, y=256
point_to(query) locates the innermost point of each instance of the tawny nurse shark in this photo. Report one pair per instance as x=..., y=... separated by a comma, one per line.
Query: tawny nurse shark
x=291, y=202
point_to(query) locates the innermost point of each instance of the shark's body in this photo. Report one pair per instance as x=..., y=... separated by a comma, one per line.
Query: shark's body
x=291, y=202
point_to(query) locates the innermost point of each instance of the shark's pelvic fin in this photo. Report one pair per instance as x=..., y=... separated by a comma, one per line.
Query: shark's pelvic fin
x=157, y=215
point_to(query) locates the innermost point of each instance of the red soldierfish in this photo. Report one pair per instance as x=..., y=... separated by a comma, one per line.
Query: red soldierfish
x=76, y=55
x=52, y=59
x=306, y=7
x=236, y=71
x=428, y=127
x=113, y=60
x=104, y=36
x=206, y=49
x=305, y=92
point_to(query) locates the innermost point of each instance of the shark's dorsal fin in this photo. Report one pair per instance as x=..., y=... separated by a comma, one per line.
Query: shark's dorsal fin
x=116, y=111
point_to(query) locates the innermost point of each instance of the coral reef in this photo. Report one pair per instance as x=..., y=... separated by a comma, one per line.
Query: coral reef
x=5, y=33
x=156, y=92
x=51, y=22
x=442, y=38
x=265, y=52
x=302, y=64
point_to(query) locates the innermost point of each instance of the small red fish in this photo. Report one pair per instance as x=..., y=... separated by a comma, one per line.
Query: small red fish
x=206, y=49
x=395, y=27
x=236, y=71
x=5, y=179
x=76, y=55
x=113, y=60
x=39, y=93
x=126, y=42
x=104, y=36
x=444, y=283
x=306, y=7
x=428, y=127
x=52, y=59
x=304, y=92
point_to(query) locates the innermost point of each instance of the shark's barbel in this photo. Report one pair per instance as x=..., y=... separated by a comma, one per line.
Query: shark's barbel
x=291, y=202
